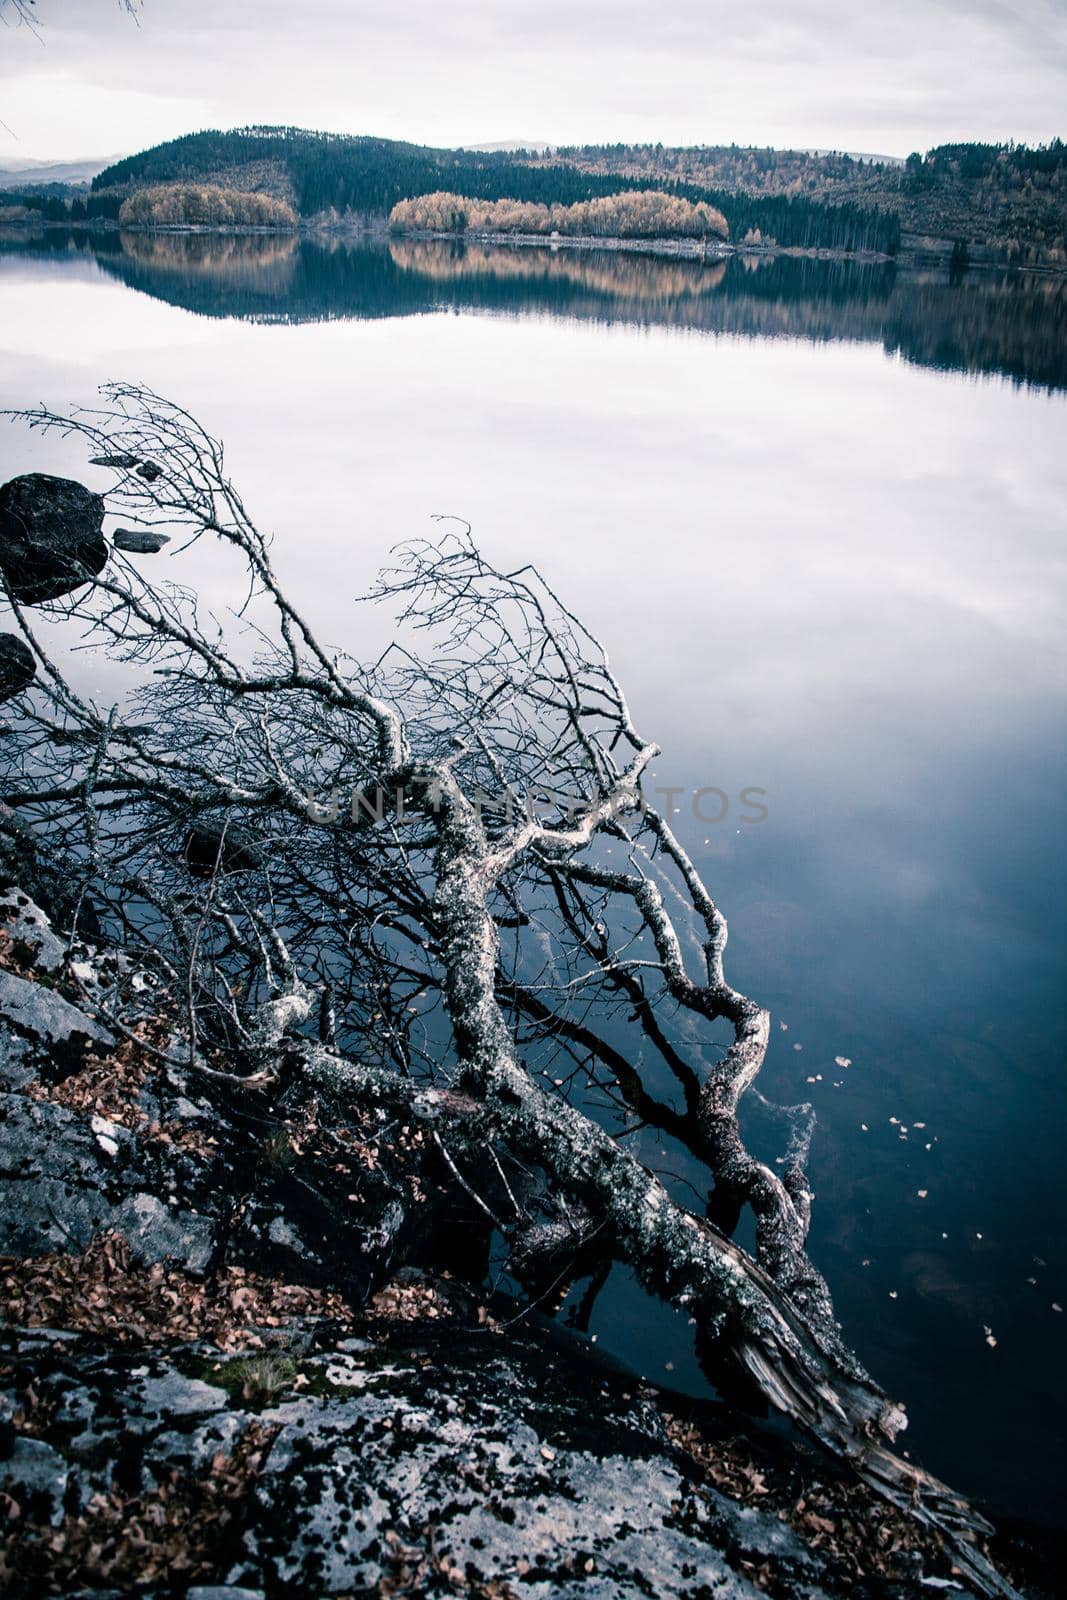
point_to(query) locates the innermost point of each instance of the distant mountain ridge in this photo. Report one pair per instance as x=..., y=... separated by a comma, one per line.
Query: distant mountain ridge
x=17, y=172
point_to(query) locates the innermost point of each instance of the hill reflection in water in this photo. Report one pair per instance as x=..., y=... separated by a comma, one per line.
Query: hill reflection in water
x=1014, y=325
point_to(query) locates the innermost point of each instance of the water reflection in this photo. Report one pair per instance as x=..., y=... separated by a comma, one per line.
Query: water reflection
x=1011, y=324
x=820, y=570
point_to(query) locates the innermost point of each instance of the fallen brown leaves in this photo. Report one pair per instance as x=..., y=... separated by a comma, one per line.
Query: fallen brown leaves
x=105, y=1292
x=32, y=1416
x=108, y=1086
x=407, y=1302
x=726, y=1466
x=854, y=1530
x=16, y=955
x=412, y=1566
x=105, y=1087
x=108, y=1083
x=185, y=1526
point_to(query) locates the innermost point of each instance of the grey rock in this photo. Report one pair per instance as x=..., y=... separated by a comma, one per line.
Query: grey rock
x=51, y=884
x=54, y=1194
x=481, y=1454
x=189, y=1111
x=18, y=666
x=139, y=541
x=69, y=1177
x=285, y=1236
x=174, y=1395
x=28, y=924
x=41, y=1013
x=222, y=1591
x=17, y=1067
x=50, y=536
x=160, y=1233
x=209, y=848
x=194, y=1450
x=40, y=1473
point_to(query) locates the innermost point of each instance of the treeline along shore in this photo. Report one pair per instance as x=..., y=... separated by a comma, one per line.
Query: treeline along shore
x=997, y=204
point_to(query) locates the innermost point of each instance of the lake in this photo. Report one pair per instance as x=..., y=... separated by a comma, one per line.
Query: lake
x=816, y=511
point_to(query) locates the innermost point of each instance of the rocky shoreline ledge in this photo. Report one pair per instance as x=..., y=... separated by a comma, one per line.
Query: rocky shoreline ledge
x=214, y=1384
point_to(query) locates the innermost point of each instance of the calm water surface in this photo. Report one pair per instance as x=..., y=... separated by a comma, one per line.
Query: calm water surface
x=817, y=512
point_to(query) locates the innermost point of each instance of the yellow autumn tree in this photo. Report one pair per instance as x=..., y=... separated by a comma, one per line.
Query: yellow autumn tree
x=198, y=205
x=633, y=214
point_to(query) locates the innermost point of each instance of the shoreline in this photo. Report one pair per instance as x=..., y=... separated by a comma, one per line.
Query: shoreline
x=197, y=227
x=683, y=248
x=686, y=248
x=918, y=252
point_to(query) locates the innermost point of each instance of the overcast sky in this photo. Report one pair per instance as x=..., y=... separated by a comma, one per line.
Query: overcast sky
x=849, y=74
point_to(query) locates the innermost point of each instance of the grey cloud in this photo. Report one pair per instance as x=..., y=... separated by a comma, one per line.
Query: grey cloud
x=821, y=72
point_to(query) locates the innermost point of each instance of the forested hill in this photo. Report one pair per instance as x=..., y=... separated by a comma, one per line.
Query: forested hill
x=1008, y=200
x=321, y=173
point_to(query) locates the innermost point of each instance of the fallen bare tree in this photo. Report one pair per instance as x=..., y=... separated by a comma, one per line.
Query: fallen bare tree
x=435, y=884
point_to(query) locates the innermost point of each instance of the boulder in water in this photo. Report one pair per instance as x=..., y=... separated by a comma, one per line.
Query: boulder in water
x=208, y=849
x=50, y=538
x=18, y=667
x=139, y=541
